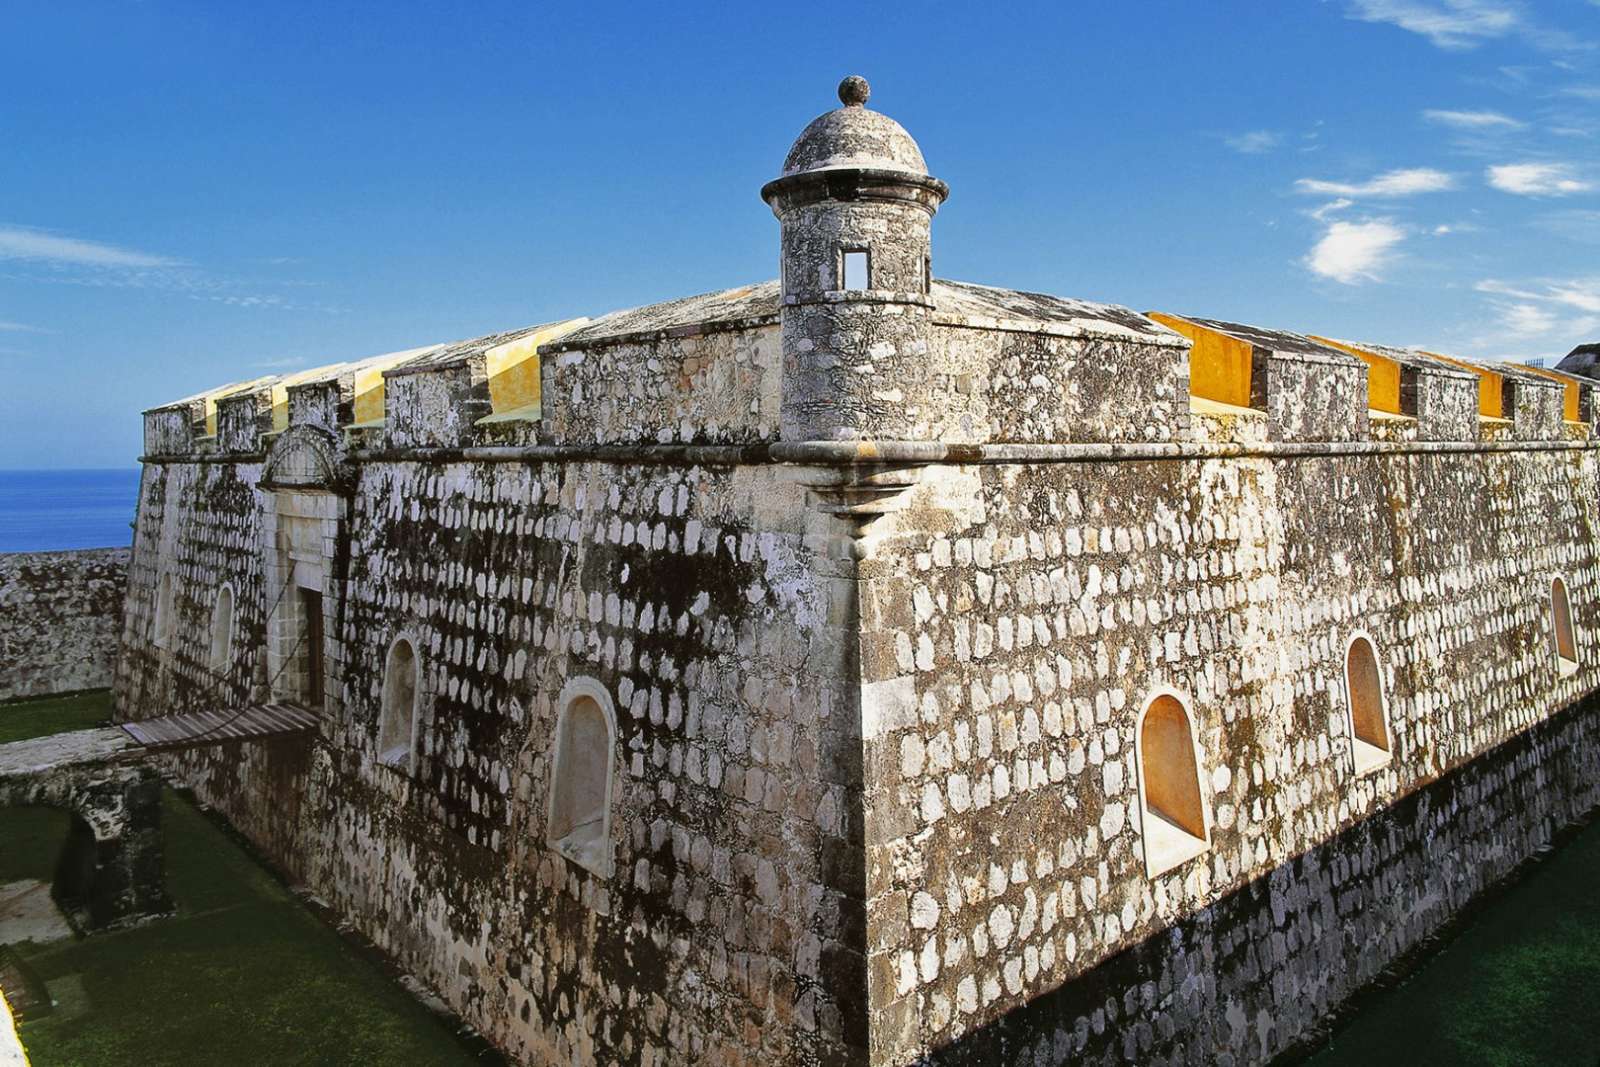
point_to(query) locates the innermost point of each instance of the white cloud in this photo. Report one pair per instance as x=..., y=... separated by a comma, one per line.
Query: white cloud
x=20, y=327
x=1353, y=252
x=1453, y=24
x=1407, y=182
x=1537, y=179
x=1472, y=120
x=1253, y=142
x=17, y=242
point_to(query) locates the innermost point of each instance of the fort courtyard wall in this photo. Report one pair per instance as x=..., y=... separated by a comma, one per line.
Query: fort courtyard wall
x=60, y=614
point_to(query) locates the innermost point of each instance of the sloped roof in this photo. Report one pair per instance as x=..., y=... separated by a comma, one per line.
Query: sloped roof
x=955, y=304
x=1275, y=340
x=456, y=352
x=1409, y=357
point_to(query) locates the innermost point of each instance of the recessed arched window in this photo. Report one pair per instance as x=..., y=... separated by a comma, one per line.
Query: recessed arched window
x=1173, y=815
x=580, y=782
x=1561, y=622
x=398, y=728
x=222, y=631
x=163, y=635
x=1370, y=743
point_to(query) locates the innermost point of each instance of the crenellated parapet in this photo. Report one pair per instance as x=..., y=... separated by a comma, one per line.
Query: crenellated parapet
x=1308, y=391
x=191, y=424
x=437, y=399
x=1443, y=400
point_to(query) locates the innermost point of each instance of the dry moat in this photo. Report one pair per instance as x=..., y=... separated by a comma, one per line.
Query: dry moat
x=243, y=973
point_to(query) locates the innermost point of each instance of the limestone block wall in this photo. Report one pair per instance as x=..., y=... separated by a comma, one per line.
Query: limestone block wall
x=699, y=600
x=712, y=387
x=1020, y=618
x=60, y=613
x=199, y=527
x=1024, y=385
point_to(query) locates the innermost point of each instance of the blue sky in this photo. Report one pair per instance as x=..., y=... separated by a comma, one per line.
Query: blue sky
x=192, y=193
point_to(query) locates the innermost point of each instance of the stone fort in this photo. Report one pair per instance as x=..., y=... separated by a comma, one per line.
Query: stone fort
x=864, y=668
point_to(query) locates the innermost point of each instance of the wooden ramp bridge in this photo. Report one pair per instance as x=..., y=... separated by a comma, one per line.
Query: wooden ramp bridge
x=197, y=729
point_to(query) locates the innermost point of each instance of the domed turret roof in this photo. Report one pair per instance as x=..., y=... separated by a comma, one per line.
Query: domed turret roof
x=854, y=137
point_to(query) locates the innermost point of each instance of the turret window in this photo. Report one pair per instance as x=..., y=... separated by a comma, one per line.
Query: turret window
x=1173, y=816
x=857, y=270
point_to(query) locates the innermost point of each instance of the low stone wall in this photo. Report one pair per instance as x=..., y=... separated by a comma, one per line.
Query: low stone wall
x=60, y=618
x=1250, y=977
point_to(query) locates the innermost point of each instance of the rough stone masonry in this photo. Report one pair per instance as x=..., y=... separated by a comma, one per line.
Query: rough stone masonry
x=865, y=668
x=60, y=613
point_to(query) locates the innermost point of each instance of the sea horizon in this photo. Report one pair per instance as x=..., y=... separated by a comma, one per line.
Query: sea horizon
x=66, y=508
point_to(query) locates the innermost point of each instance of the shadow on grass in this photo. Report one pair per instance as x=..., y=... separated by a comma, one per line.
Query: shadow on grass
x=243, y=974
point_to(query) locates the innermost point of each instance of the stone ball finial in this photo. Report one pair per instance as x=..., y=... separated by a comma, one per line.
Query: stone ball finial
x=854, y=90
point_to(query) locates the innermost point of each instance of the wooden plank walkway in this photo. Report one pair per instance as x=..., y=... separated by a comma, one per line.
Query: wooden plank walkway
x=197, y=728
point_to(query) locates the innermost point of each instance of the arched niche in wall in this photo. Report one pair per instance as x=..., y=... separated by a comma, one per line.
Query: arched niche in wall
x=164, y=611
x=222, y=613
x=1174, y=819
x=1366, y=706
x=397, y=728
x=1562, y=633
x=582, y=770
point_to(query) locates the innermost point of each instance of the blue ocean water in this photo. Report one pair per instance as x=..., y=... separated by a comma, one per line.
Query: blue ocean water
x=46, y=510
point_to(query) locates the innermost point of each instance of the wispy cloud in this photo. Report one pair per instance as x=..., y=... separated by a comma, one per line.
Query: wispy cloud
x=1330, y=208
x=1537, y=179
x=1394, y=183
x=287, y=361
x=1355, y=252
x=1579, y=294
x=1573, y=225
x=1472, y=120
x=1254, y=142
x=40, y=255
x=1458, y=25
x=26, y=243
x=21, y=327
x=1544, y=317
x=1452, y=24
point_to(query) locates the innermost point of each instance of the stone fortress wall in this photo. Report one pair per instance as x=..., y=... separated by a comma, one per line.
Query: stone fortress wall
x=996, y=711
x=60, y=614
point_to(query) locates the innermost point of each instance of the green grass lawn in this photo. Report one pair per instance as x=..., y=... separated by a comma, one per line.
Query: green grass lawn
x=1519, y=986
x=23, y=719
x=242, y=975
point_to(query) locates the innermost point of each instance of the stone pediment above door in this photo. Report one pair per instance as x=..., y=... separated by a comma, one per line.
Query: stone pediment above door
x=307, y=457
